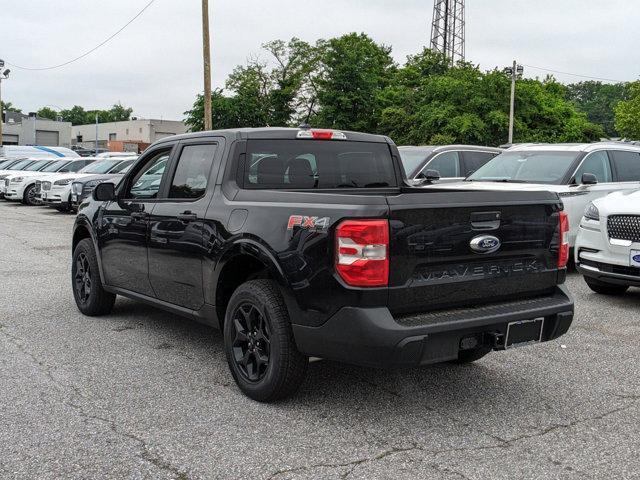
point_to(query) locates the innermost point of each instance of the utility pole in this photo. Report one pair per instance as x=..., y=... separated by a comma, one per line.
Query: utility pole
x=3, y=76
x=206, y=54
x=515, y=71
x=96, y=134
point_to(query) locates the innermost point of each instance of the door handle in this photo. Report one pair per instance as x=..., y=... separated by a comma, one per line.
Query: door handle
x=187, y=216
x=139, y=215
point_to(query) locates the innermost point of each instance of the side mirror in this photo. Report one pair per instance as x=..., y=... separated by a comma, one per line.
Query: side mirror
x=104, y=192
x=64, y=170
x=589, y=179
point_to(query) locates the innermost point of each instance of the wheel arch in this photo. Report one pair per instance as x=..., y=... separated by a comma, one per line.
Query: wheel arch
x=246, y=260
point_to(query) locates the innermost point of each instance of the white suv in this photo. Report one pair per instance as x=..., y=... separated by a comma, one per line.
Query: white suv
x=607, y=250
x=579, y=173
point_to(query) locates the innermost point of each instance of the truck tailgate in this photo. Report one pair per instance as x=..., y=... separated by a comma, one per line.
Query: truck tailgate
x=452, y=249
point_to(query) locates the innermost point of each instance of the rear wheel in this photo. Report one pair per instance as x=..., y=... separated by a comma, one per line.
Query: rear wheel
x=90, y=296
x=29, y=197
x=605, y=288
x=259, y=344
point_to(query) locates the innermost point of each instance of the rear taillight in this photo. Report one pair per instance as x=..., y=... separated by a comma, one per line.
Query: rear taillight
x=563, y=249
x=362, y=252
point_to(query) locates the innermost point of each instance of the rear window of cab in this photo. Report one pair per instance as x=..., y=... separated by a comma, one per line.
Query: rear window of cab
x=315, y=164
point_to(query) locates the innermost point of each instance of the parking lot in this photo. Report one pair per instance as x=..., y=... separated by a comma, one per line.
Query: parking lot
x=143, y=394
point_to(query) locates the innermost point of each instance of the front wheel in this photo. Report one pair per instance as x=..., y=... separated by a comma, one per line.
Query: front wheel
x=259, y=344
x=29, y=197
x=91, y=298
x=604, y=288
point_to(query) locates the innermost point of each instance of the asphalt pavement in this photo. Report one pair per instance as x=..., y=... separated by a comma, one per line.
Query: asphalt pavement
x=143, y=394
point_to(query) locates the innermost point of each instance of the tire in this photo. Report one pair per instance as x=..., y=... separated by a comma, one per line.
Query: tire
x=473, y=355
x=90, y=296
x=259, y=345
x=29, y=196
x=604, y=288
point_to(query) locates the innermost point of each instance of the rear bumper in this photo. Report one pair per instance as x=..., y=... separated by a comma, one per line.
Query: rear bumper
x=373, y=337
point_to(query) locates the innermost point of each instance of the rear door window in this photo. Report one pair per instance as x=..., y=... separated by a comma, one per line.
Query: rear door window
x=627, y=166
x=314, y=164
x=192, y=172
x=446, y=163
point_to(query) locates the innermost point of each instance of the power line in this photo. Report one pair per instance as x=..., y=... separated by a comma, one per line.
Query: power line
x=575, y=74
x=89, y=51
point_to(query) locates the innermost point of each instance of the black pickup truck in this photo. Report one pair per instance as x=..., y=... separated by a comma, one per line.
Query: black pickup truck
x=303, y=243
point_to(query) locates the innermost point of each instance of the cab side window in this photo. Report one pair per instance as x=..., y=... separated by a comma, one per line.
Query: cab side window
x=596, y=163
x=192, y=172
x=627, y=166
x=447, y=163
x=146, y=183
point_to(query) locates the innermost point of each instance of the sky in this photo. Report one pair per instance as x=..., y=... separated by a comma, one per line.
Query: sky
x=155, y=64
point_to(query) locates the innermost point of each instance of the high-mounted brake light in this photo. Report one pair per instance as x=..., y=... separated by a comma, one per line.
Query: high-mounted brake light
x=322, y=134
x=563, y=249
x=362, y=248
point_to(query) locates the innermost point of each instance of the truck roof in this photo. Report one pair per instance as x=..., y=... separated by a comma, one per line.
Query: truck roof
x=265, y=133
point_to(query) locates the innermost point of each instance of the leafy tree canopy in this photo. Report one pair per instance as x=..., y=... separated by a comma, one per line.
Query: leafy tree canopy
x=628, y=114
x=598, y=100
x=352, y=83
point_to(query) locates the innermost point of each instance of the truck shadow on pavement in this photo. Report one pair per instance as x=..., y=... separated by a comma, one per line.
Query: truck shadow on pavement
x=329, y=382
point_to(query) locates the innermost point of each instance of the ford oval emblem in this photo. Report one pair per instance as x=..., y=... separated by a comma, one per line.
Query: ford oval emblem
x=636, y=258
x=485, y=244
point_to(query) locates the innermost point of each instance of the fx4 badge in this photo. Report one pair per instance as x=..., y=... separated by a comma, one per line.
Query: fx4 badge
x=309, y=223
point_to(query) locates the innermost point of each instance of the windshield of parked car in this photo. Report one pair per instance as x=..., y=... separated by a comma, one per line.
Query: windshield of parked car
x=122, y=167
x=55, y=166
x=547, y=167
x=20, y=165
x=312, y=164
x=101, y=166
x=413, y=158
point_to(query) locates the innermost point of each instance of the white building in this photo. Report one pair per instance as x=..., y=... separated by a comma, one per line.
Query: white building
x=20, y=129
x=123, y=136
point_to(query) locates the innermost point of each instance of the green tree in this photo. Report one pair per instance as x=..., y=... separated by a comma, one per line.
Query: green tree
x=295, y=61
x=627, y=114
x=76, y=115
x=428, y=102
x=354, y=72
x=47, y=112
x=118, y=113
x=8, y=107
x=599, y=100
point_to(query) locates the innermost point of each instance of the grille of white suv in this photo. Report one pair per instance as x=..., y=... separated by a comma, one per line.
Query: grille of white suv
x=46, y=185
x=624, y=227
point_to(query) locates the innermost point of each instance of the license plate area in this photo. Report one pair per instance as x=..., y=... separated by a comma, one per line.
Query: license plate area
x=524, y=332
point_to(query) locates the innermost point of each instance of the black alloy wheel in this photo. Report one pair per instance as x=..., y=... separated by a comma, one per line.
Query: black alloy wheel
x=252, y=341
x=82, y=278
x=30, y=195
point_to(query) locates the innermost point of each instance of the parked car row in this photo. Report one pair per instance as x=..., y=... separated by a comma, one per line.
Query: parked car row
x=49, y=181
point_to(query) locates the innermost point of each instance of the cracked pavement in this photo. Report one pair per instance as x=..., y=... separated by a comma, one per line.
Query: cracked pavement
x=143, y=394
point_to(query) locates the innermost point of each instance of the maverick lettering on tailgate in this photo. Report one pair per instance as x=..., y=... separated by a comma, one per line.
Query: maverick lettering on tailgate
x=486, y=270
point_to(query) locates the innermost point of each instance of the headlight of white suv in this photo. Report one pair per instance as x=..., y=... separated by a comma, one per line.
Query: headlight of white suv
x=76, y=188
x=592, y=213
x=17, y=179
x=66, y=181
